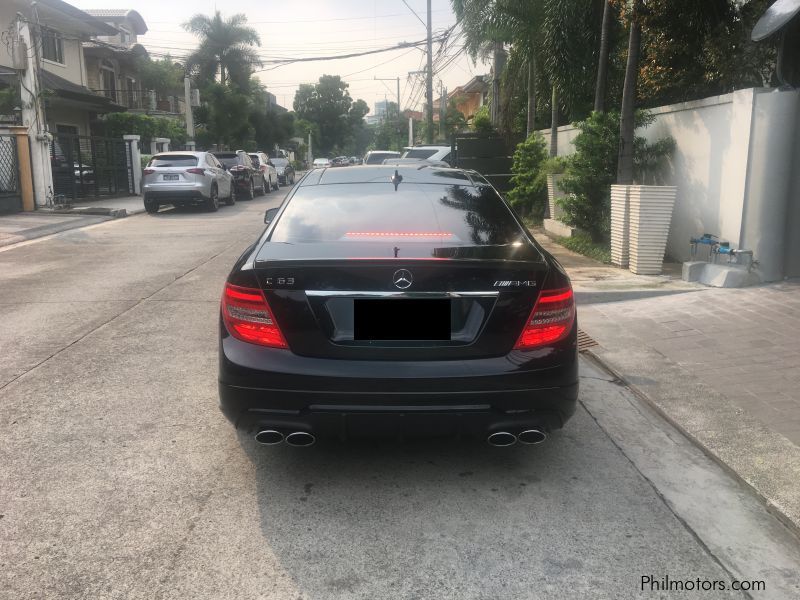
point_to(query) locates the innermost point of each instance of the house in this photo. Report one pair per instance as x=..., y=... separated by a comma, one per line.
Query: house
x=112, y=61
x=471, y=96
x=57, y=30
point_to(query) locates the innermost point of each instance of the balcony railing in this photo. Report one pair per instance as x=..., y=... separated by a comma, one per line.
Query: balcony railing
x=148, y=101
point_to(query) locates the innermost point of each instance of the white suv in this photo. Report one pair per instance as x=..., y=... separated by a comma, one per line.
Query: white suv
x=430, y=153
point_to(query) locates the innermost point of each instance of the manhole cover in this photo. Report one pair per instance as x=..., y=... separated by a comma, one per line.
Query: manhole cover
x=584, y=341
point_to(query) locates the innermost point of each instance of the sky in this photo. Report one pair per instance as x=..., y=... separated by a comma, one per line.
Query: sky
x=321, y=28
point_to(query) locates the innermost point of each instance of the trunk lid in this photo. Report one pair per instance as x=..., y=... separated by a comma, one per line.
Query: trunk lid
x=491, y=291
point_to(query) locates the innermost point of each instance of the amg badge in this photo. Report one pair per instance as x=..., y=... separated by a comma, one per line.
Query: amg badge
x=514, y=284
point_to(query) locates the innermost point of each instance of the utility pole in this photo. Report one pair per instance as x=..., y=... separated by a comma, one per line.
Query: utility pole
x=429, y=74
x=187, y=95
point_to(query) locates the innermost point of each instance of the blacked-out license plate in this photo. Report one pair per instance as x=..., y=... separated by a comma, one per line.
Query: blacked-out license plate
x=401, y=319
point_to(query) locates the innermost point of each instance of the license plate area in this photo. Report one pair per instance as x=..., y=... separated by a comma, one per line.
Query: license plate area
x=401, y=319
x=170, y=177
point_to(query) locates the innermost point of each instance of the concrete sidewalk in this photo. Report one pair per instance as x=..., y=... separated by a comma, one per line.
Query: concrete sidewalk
x=20, y=227
x=721, y=365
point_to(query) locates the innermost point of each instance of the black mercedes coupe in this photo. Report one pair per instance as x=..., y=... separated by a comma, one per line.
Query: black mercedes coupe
x=395, y=301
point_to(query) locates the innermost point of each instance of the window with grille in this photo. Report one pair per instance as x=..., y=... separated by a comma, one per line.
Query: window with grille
x=52, y=46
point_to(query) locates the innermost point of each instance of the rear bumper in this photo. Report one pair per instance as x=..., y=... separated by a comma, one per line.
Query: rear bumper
x=344, y=397
x=193, y=195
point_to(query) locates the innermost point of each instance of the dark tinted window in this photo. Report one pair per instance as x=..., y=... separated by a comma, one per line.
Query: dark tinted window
x=459, y=215
x=176, y=160
x=376, y=158
x=420, y=153
x=228, y=160
x=255, y=159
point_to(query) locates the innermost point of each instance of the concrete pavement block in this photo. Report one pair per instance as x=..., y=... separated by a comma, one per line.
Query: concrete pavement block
x=692, y=270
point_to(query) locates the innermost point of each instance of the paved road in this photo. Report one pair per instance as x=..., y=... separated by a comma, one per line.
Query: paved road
x=119, y=478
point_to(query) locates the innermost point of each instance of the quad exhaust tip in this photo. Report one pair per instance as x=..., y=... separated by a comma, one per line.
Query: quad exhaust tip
x=300, y=438
x=532, y=436
x=501, y=439
x=269, y=437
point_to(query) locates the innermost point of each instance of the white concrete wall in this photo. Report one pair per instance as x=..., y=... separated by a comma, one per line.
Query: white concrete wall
x=770, y=179
x=733, y=164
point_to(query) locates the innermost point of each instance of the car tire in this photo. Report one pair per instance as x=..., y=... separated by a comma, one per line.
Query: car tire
x=263, y=189
x=151, y=206
x=212, y=202
x=251, y=191
x=231, y=199
x=267, y=188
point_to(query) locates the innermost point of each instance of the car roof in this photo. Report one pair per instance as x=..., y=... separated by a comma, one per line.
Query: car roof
x=180, y=153
x=438, y=147
x=413, y=173
x=383, y=152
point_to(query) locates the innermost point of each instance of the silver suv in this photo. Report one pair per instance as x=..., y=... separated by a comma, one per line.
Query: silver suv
x=431, y=153
x=186, y=178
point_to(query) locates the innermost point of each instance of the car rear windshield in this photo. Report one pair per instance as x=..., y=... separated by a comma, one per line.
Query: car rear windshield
x=458, y=215
x=176, y=160
x=420, y=153
x=228, y=160
x=255, y=159
x=376, y=158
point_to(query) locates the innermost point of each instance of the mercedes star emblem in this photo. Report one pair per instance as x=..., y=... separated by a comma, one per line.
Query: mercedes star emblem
x=402, y=279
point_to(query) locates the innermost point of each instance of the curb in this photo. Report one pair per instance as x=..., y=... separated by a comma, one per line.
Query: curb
x=769, y=505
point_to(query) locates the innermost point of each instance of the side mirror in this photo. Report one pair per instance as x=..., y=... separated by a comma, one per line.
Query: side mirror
x=269, y=216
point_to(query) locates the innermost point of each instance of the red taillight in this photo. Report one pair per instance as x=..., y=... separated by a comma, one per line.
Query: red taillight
x=149, y=171
x=247, y=317
x=196, y=171
x=550, y=321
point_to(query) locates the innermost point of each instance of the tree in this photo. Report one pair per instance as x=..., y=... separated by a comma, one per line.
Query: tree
x=225, y=50
x=602, y=58
x=627, y=125
x=328, y=105
x=164, y=75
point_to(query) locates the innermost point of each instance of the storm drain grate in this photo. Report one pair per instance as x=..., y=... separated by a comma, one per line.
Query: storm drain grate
x=584, y=341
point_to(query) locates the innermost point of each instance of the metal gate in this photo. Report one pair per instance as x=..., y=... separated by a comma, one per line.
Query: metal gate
x=86, y=167
x=490, y=156
x=10, y=197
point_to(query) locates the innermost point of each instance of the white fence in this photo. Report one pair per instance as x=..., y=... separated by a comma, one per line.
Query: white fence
x=737, y=169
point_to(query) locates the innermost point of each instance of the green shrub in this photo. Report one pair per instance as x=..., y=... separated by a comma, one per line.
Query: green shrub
x=126, y=123
x=529, y=194
x=592, y=170
x=583, y=244
x=482, y=122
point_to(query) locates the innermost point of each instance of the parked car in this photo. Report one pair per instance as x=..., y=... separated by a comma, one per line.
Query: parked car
x=428, y=152
x=376, y=157
x=415, y=161
x=340, y=161
x=354, y=160
x=186, y=178
x=482, y=340
x=285, y=170
x=269, y=174
x=246, y=177
x=321, y=163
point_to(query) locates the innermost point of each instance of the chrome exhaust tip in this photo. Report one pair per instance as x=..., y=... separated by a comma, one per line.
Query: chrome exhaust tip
x=532, y=436
x=501, y=439
x=300, y=438
x=269, y=437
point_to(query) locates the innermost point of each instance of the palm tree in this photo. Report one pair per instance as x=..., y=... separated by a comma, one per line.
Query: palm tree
x=602, y=59
x=225, y=50
x=627, y=123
